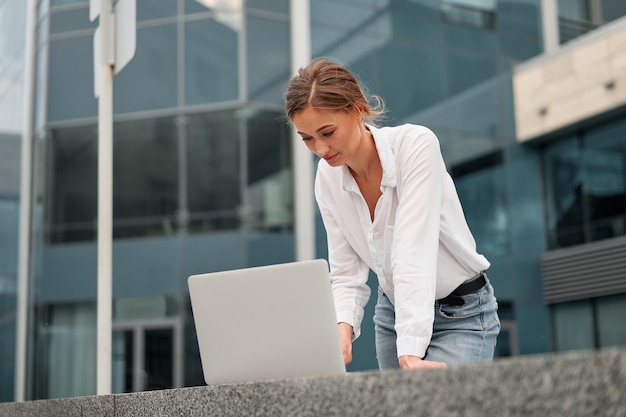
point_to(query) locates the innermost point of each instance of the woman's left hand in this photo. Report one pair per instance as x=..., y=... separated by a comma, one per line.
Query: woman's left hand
x=408, y=362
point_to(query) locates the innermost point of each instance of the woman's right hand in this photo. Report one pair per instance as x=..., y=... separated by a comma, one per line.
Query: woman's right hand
x=345, y=338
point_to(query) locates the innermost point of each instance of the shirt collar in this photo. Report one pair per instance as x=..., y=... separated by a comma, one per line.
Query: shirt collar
x=387, y=162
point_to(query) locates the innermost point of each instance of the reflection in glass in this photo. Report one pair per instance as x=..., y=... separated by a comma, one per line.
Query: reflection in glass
x=612, y=10
x=421, y=27
x=604, y=174
x=348, y=15
x=213, y=171
x=595, y=323
x=149, y=81
x=268, y=64
x=122, y=361
x=71, y=211
x=414, y=93
x=479, y=13
x=574, y=9
x=270, y=196
x=211, y=61
x=65, y=357
x=563, y=184
x=585, y=185
x=145, y=190
x=463, y=145
x=158, y=362
x=199, y=6
x=518, y=50
x=349, y=31
x=145, y=167
x=573, y=326
x=520, y=19
x=71, y=20
x=226, y=12
x=70, y=82
x=480, y=185
x=172, y=174
x=465, y=71
x=275, y=6
x=56, y=3
x=575, y=19
x=155, y=9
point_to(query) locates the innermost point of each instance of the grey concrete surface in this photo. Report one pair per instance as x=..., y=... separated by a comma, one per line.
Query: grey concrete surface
x=582, y=384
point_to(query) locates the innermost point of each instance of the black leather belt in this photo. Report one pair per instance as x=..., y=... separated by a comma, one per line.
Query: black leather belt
x=466, y=288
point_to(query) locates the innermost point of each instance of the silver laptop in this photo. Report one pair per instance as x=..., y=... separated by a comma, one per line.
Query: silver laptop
x=267, y=322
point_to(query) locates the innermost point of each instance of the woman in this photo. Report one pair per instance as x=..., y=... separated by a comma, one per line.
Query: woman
x=389, y=205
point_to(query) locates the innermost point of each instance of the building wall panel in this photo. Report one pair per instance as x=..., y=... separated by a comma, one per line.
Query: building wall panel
x=584, y=79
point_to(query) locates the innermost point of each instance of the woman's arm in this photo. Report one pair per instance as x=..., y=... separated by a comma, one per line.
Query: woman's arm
x=348, y=272
x=348, y=275
x=415, y=244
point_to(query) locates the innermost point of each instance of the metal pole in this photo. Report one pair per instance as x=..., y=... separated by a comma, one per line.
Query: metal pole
x=304, y=221
x=23, y=270
x=105, y=197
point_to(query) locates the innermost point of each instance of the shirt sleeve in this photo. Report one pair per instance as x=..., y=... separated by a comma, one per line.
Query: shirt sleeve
x=348, y=272
x=416, y=240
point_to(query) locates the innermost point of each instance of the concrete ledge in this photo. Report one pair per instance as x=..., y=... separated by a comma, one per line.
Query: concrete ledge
x=575, y=384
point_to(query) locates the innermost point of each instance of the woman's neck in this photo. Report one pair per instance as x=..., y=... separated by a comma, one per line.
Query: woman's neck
x=367, y=165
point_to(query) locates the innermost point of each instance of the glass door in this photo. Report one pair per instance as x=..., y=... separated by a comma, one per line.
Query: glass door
x=146, y=356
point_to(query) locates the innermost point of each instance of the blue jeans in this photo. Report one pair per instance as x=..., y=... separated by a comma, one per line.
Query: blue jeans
x=461, y=334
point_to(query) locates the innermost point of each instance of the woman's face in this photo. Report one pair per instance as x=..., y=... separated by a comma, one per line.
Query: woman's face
x=332, y=135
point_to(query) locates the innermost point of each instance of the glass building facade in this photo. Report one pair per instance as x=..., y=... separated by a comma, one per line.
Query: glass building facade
x=585, y=203
x=201, y=178
x=203, y=172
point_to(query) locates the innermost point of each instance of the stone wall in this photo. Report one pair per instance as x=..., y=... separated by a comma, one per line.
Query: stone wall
x=589, y=384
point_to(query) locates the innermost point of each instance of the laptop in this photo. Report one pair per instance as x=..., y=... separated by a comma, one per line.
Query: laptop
x=265, y=323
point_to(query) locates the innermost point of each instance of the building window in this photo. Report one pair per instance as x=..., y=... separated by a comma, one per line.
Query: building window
x=197, y=173
x=213, y=171
x=585, y=185
x=577, y=17
x=594, y=323
x=64, y=363
x=72, y=184
x=563, y=194
x=478, y=13
x=612, y=10
x=269, y=187
x=145, y=186
x=147, y=355
x=573, y=326
x=480, y=185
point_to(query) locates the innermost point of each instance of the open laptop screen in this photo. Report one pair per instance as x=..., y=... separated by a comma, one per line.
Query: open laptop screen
x=268, y=322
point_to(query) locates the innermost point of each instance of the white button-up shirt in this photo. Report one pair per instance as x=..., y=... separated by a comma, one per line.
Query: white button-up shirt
x=419, y=244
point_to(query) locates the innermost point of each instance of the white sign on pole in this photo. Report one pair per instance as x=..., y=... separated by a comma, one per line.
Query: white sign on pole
x=123, y=40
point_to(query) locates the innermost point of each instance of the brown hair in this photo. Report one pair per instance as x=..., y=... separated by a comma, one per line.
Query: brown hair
x=326, y=85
